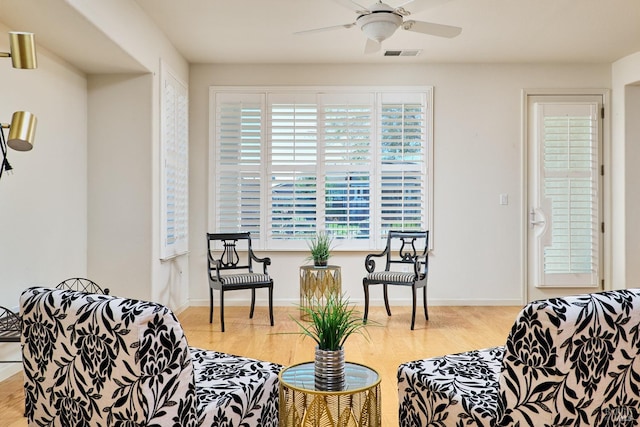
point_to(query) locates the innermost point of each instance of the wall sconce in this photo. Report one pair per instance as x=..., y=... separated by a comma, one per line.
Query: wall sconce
x=21, y=133
x=22, y=50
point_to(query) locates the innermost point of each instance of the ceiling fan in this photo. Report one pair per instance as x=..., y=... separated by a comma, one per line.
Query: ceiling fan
x=379, y=21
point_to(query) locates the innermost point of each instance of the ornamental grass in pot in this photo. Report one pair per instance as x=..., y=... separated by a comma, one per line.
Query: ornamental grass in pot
x=320, y=248
x=330, y=325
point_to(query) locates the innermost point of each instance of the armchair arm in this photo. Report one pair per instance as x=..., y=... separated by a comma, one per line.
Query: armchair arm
x=265, y=261
x=214, y=264
x=370, y=263
x=420, y=265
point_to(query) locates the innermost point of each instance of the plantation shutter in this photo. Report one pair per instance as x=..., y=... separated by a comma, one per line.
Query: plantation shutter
x=174, y=139
x=287, y=163
x=347, y=121
x=403, y=162
x=238, y=159
x=293, y=133
x=569, y=173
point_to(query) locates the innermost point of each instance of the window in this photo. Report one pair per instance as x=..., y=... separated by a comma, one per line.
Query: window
x=288, y=162
x=174, y=166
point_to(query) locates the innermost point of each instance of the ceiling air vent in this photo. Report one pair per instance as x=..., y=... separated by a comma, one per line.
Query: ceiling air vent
x=414, y=52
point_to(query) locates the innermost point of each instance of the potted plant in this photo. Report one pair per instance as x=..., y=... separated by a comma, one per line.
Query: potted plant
x=330, y=325
x=320, y=247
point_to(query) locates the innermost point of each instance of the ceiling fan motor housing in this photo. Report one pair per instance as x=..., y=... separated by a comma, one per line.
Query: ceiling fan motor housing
x=381, y=23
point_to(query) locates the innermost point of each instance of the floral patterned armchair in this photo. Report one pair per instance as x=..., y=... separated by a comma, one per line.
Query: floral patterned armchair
x=571, y=361
x=99, y=360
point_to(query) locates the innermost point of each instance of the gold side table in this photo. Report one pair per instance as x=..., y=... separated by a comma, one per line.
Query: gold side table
x=317, y=284
x=301, y=405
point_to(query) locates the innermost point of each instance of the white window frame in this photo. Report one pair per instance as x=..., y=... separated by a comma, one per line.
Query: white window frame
x=375, y=240
x=174, y=165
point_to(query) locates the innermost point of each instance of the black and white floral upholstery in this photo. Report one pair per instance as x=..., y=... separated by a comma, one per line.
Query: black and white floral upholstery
x=98, y=360
x=571, y=361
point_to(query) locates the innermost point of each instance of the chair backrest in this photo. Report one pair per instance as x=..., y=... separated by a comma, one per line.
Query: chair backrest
x=404, y=246
x=94, y=359
x=232, y=250
x=10, y=326
x=574, y=361
x=83, y=285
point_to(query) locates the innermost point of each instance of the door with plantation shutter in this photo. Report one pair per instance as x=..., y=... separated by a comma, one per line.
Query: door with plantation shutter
x=564, y=212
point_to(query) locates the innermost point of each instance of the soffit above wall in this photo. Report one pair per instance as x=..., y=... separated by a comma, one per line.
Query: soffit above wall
x=62, y=30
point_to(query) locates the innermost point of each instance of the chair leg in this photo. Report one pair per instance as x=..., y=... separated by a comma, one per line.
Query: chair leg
x=424, y=302
x=210, y=305
x=253, y=302
x=222, y=309
x=271, y=304
x=386, y=300
x=413, y=310
x=366, y=301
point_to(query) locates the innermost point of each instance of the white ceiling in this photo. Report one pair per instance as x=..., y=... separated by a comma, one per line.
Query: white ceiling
x=261, y=31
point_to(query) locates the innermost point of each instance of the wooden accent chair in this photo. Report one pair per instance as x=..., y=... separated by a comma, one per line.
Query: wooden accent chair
x=82, y=285
x=231, y=261
x=10, y=325
x=406, y=263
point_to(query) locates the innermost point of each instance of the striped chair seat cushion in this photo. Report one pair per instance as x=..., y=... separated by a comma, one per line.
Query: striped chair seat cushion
x=241, y=279
x=390, y=276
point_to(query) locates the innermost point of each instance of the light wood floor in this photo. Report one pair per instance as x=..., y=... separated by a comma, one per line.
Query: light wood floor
x=450, y=330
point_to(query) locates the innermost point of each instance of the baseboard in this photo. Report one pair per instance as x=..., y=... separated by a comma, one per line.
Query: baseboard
x=373, y=302
x=182, y=308
x=9, y=369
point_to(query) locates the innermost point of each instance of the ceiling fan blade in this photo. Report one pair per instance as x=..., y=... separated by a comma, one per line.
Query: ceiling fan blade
x=417, y=6
x=372, y=46
x=352, y=5
x=319, y=30
x=430, y=28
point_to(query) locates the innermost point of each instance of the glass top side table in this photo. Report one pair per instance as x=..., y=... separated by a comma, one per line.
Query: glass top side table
x=302, y=405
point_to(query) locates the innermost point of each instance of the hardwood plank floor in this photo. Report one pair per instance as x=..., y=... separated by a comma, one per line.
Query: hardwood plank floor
x=450, y=330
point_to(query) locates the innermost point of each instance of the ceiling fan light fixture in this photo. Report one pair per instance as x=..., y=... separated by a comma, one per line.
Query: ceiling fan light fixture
x=379, y=26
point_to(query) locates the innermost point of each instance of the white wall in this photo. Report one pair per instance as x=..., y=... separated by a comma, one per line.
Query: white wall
x=477, y=156
x=120, y=197
x=625, y=83
x=70, y=210
x=124, y=207
x=43, y=204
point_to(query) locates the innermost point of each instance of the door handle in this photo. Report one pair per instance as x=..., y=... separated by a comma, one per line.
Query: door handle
x=532, y=219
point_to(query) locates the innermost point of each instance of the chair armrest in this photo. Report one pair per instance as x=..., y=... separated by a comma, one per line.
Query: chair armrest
x=214, y=265
x=370, y=263
x=265, y=261
x=420, y=262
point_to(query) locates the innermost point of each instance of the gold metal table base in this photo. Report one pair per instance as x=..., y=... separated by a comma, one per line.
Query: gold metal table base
x=317, y=284
x=303, y=406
